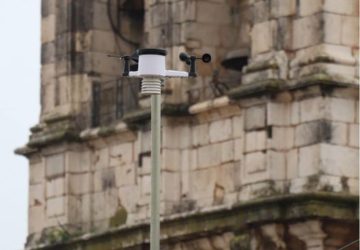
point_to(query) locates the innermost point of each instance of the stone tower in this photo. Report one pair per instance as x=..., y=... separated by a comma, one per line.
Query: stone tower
x=259, y=152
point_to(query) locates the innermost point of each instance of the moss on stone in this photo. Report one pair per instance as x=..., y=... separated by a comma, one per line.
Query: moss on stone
x=119, y=218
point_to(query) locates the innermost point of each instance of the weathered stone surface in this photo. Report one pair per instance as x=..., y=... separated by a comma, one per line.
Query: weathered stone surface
x=37, y=195
x=292, y=164
x=309, y=160
x=80, y=183
x=282, y=138
x=55, y=187
x=209, y=155
x=354, y=135
x=278, y=113
x=37, y=173
x=262, y=37
x=306, y=31
x=332, y=22
x=171, y=159
x=283, y=8
x=255, y=117
x=200, y=135
x=338, y=109
x=309, y=232
x=255, y=162
x=55, y=206
x=309, y=7
x=255, y=141
x=238, y=126
x=227, y=151
x=347, y=7
x=55, y=165
x=48, y=29
x=170, y=186
x=312, y=109
x=350, y=31
x=220, y=130
x=339, y=160
x=36, y=219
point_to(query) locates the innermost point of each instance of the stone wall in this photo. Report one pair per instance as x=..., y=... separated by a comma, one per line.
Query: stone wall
x=288, y=128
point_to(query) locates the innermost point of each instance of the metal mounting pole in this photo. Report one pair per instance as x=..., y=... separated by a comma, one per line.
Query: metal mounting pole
x=153, y=87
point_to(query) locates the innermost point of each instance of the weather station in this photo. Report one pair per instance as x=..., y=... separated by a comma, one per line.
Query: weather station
x=150, y=65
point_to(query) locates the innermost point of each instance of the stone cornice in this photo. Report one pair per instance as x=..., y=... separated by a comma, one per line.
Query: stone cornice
x=186, y=226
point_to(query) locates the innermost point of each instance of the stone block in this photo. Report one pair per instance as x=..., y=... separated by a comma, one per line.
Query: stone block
x=55, y=206
x=100, y=19
x=255, y=162
x=48, y=7
x=309, y=7
x=100, y=158
x=37, y=195
x=238, y=126
x=312, y=109
x=48, y=29
x=36, y=173
x=350, y=31
x=282, y=138
x=194, y=159
x=209, y=155
x=48, y=53
x=48, y=73
x=347, y=7
x=220, y=130
x=78, y=162
x=306, y=31
x=54, y=166
x=105, y=204
x=278, y=113
x=36, y=219
x=354, y=135
x=261, y=11
x=276, y=164
x=126, y=175
x=294, y=113
x=200, y=135
x=55, y=187
x=101, y=63
x=255, y=117
x=339, y=160
x=262, y=37
x=171, y=159
x=145, y=184
x=332, y=23
x=312, y=132
x=309, y=232
x=121, y=154
x=80, y=183
x=292, y=164
x=170, y=183
x=342, y=110
x=227, y=151
x=255, y=141
x=202, y=183
x=206, y=11
x=283, y=8
x=204, y=32
x=309, y=160
x=128, y=196
x=101, y=41
x=184, y=11
x=238, y=148
x=339, y=132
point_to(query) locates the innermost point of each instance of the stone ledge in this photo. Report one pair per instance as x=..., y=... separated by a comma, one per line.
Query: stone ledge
x=277, y=85
x=221, y=219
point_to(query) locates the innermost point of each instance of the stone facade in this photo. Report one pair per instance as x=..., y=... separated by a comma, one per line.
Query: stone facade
x=269, y=162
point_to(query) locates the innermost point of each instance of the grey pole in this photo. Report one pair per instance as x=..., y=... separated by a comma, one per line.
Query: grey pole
x=155, y=171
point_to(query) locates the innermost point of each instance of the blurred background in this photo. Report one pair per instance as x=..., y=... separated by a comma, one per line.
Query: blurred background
x=19, y=110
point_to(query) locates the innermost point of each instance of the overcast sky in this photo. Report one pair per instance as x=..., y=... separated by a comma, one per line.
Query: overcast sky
x=19, y=110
